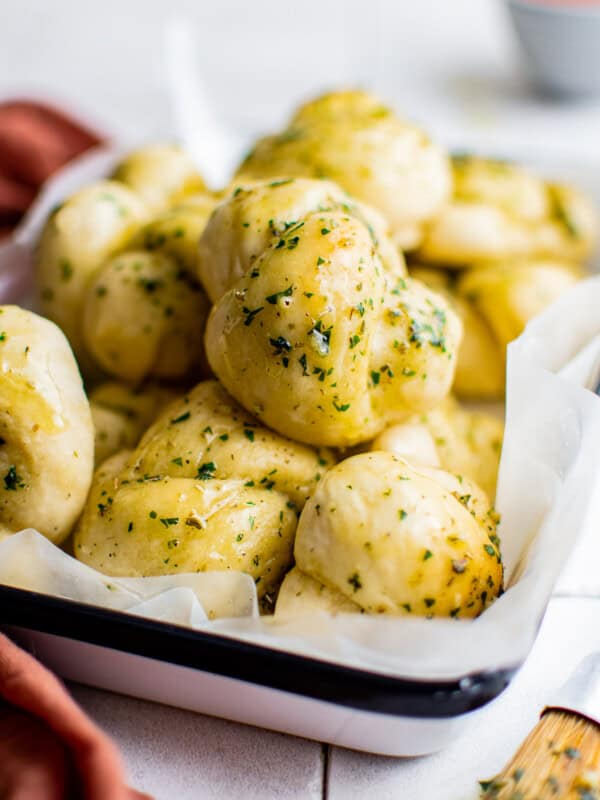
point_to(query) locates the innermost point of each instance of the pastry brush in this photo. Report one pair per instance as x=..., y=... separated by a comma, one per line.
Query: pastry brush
x=560, y=759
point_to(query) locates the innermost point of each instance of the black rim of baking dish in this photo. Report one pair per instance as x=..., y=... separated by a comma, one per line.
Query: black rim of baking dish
x=232, y=658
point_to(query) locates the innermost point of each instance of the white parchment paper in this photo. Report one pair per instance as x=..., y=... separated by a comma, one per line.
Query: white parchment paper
x=549, y=498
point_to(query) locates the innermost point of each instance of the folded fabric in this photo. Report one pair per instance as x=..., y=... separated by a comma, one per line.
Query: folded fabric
x=35, y=141
x=49, y=749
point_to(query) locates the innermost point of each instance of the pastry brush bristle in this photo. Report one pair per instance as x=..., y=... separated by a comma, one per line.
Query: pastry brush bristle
x=559, y=760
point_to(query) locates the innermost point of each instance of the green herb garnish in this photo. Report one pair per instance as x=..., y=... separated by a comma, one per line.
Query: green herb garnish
x=206, y=471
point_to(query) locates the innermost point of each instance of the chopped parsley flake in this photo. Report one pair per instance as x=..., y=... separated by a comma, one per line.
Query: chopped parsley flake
x=564, y=218
x=491, y=786
x=66, y=270
x=206, y=471
x=401, y=284
x=12, y=480
x=280, y=345
x=355, y=582
x=273, y=298
x=422, y=332
x=320, y=337
x=341, y=407
x=150, y=285
x=251, y=313
x=181, y=418
x=289, y=241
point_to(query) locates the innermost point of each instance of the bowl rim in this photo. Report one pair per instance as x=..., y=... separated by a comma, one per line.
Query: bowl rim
x=557, y=9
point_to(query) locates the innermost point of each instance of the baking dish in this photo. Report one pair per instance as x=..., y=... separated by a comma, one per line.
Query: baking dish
x=243, y=681
x=365, y=683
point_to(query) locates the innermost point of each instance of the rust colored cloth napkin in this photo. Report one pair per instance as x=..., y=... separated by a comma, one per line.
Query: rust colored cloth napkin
x=49, y=749
x=35, y=141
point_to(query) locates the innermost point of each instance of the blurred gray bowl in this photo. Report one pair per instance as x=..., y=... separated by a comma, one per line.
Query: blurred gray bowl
x=561, y=44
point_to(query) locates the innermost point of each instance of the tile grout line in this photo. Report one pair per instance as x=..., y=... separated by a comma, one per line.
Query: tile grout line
x=325, y=749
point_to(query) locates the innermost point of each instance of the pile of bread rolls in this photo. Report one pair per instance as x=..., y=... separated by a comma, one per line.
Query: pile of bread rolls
x=271, y=371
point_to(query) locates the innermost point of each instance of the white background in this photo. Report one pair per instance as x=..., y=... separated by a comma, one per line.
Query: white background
x=451, y=66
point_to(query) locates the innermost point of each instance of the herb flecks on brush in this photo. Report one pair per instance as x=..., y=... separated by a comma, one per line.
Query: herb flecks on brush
x=559, y=759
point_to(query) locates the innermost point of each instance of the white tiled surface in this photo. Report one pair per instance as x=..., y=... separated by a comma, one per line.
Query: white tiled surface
x=450, y=66
x=176, y=754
